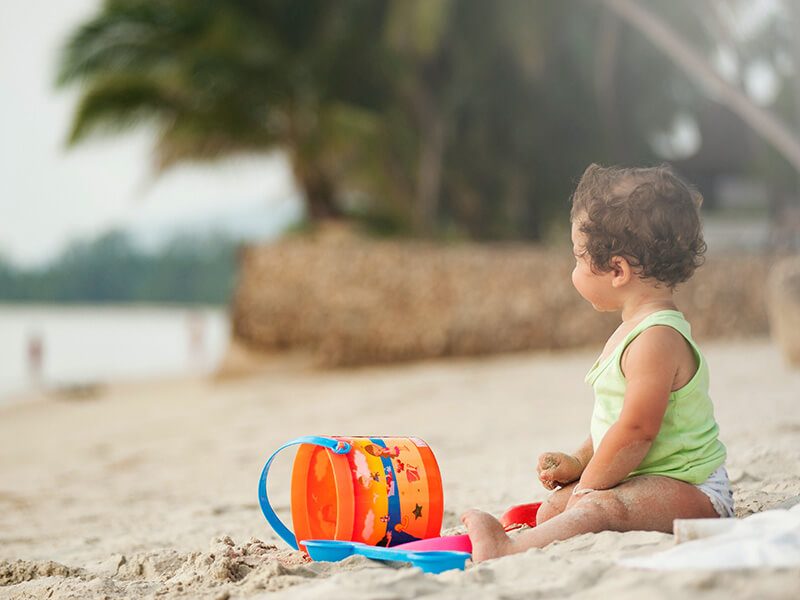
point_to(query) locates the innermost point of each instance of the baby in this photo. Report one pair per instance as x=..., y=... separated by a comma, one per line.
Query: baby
x=654, y=453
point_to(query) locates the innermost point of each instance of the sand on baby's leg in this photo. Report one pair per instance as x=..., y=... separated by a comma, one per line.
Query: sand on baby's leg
x=647, y=502
x=555, y=503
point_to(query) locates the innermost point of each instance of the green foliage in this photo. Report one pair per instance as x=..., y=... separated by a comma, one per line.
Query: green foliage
x=441, y=117
x=188, y=270
x=217, y=77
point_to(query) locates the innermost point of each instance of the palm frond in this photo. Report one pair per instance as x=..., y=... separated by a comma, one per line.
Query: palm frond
x=210, y=135
x=126, y=36
x=118, y=103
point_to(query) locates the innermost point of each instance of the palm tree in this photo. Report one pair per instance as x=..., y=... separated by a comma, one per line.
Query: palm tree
x=217, y=77
x=404, y=100
x=460, y=114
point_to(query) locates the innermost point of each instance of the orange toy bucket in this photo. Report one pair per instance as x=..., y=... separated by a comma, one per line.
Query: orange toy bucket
x=381, y=491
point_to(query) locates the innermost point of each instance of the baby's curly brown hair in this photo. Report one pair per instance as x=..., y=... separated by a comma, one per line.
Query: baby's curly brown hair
x=650, y=216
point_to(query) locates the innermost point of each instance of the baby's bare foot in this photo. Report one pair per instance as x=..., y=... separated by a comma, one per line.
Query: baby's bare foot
x=488, y=538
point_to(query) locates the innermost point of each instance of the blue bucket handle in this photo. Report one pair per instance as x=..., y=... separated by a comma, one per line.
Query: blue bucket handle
x=335, y=446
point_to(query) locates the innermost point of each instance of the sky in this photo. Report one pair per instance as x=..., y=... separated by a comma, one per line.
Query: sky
x=50, y=196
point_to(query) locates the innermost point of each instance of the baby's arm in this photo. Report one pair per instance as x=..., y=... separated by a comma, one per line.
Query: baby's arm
x=585, y=452
x=650, y=368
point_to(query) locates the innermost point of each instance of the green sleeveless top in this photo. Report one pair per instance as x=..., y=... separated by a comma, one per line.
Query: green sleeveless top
x=687, y=446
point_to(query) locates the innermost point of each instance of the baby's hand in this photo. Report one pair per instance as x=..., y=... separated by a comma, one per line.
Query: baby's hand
x=558, y=469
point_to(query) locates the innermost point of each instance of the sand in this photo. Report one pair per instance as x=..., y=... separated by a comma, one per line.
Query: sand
x=149, y=490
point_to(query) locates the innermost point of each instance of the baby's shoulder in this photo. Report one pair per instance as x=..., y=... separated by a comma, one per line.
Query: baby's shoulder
x=659, y=335
x=660, y=345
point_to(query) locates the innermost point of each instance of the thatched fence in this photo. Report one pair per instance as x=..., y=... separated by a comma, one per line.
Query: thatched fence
x=353, y=301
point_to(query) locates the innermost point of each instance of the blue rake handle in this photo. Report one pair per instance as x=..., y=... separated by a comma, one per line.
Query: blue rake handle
x=430, y=561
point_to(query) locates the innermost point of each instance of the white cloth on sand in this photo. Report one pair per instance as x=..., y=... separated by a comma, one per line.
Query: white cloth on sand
x=767, y=539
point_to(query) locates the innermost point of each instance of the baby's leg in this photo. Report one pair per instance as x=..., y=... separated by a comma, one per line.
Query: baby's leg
x=495, y=536
x=555, y=503
x=648, y=503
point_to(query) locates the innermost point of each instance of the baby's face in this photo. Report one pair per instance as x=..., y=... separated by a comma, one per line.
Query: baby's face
x=594, y=287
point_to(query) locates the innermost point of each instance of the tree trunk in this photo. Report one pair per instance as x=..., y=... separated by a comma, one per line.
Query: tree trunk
x=766, y=125
x=430, y=123
x=319, y=190
x=794, y=15
x=429, y=182
x=605, y=78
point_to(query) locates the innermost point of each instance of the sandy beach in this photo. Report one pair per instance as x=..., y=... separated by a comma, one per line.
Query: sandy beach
x=149, y=490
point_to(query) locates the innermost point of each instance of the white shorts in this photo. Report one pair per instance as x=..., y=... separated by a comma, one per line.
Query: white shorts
x=718, y=489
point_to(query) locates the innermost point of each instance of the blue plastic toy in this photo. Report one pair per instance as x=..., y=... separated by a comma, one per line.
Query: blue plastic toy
x=429, y=561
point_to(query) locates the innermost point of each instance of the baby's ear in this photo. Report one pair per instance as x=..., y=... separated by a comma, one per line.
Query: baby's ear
x=621, y=271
